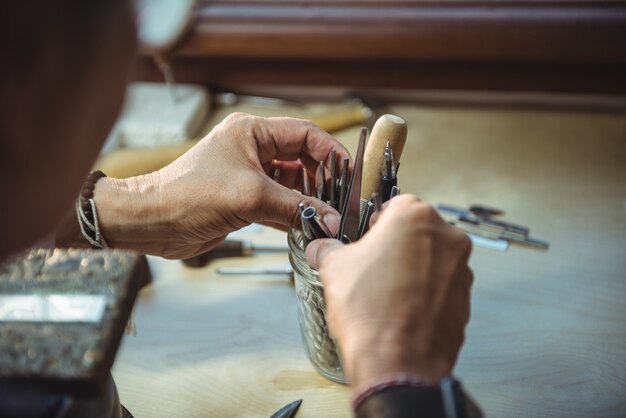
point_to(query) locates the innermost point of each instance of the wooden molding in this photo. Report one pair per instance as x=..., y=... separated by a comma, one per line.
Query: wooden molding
x=547, y=31
x=498, y=45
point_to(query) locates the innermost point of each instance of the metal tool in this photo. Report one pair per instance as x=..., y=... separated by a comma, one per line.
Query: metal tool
x=485, y=211
x=306, y=186
x=378, y=202
x=394, y=192
x=364, y=224
x=312, y=225
x=349, y=225
x=343, y=184
x=333, y=178
x=234, y=248
x=254, y=271
x=527, y=241
x=388, y=177
x=493, y=244
x=460, y=212
x=320, y=182
x=489, y=228
x=288, y=411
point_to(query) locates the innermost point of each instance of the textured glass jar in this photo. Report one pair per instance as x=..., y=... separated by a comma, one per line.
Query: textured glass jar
x=320, y=347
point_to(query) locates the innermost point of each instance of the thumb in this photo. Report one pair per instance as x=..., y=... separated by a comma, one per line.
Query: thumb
x=281, y=207
x=317, y=250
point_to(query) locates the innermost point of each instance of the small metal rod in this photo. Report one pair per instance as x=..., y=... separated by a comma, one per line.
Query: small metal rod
x=320, y=182
x=306, y=232
x=378, y=203
x=343, y=184
x=388, y=177
x=395, y=191
x=364, y=225
x=308, y=217
x=323, y=225
x=306, y=186
x=254, y=271
x=333, y=178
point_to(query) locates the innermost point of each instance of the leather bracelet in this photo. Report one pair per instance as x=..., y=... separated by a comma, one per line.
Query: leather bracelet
x=87, y=213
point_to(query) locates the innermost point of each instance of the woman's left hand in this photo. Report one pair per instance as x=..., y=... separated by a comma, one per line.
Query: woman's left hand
x=220, y=185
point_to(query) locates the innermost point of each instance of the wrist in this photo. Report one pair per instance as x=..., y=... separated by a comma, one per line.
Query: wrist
x=409, y=399
x=368, y=360
x=130, y=212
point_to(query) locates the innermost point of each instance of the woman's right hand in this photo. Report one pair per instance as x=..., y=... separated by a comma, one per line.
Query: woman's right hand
x=398, y=299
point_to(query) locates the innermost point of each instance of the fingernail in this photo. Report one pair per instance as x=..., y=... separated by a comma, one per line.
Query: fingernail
x=332, y=221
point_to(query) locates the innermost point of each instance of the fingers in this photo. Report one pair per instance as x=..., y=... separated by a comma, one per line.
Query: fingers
x=317, y=250
x=279, y=206
x=290, y=173
x=290, y=139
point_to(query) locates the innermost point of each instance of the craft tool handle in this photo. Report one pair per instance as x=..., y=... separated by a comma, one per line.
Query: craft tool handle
x=388, y=128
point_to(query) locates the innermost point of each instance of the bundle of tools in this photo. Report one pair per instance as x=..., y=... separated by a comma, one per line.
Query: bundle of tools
x=480, y=220
x=356, y=195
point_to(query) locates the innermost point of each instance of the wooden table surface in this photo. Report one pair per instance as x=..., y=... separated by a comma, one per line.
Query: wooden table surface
x=547, y=336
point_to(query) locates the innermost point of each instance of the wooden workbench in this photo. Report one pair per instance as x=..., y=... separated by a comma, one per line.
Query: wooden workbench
x=548, y=333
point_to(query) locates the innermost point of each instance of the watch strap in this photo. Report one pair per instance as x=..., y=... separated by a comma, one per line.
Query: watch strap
x=403, y=401
x=447, y=400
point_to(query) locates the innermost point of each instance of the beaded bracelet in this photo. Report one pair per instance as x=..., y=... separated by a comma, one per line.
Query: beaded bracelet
x=393, y=380
x=87, y=214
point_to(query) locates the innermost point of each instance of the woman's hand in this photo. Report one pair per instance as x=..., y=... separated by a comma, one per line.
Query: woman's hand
x=222, y=184
x=398, y=299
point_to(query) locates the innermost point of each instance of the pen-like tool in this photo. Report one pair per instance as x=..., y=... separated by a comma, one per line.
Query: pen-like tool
x=364, y=224
x=333, y=178
x=320, y=182
x=350, y=216
x=306, y=186
x=388, y=177
x=313, y=225
x=343, y=184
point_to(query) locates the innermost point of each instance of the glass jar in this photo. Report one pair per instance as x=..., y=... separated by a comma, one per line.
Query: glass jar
x=320, y=347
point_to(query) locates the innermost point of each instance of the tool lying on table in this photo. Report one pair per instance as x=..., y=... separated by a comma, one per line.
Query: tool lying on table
x=478, y=220
x=288, y=411
x=233, y=248
x=255, y=271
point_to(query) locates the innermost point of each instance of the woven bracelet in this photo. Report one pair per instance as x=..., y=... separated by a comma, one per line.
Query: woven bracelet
x=87, y=213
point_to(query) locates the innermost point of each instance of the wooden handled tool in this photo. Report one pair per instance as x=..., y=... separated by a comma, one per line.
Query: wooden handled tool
x=130, y=162
x=388, y=128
